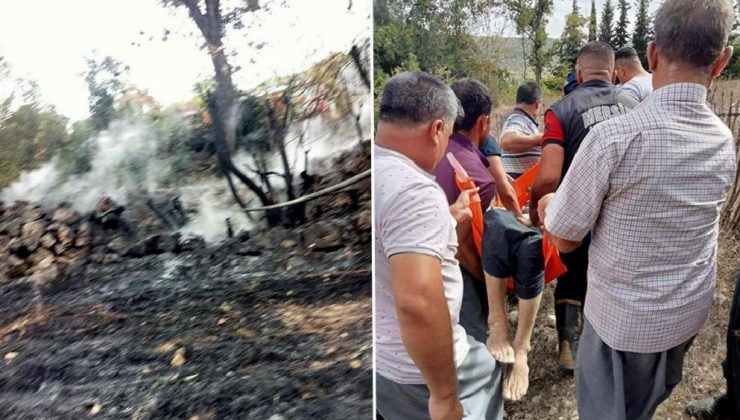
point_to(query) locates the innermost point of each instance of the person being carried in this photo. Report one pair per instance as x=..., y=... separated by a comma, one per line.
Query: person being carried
x=649, y=186
x=520, y=137
x=634, y=80
x=512, y=249
x=567, y=122
x=469, y=132
x=484, y=301
x=426, y=364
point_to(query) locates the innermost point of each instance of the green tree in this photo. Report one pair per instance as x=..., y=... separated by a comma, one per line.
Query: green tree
x=212, y=20
x=592, y=23
x=732, y=70
x=643, y=31
x=104, y=85
x=75, y=153
x=621, y=34
x=531, y=17
x=435, y=33
x=30, y=136
x=606, y=31
x=570, y=42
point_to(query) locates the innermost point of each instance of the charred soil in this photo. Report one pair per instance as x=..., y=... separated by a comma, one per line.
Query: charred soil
x=272, y=324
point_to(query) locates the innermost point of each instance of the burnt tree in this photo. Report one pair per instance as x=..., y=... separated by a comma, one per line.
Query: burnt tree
x=212, y=24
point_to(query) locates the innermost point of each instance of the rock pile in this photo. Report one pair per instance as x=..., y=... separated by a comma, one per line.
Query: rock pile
x=39, y=243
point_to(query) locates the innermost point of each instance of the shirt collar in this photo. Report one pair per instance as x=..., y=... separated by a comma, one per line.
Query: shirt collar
x=596, y=82
x=526, y=114
x=461, y=140
x=465, y=143
x=680, y=92
x=384, y=150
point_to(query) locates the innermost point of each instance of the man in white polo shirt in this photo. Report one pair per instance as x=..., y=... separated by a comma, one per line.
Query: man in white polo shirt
x=426, y=365
x=634, y=80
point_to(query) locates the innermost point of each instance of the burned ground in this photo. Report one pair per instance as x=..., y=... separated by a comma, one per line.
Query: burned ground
x=270, y=324
x=258, y=341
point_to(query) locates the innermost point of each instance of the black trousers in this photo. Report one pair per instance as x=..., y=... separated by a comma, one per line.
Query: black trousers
x=731, y=364
x=572, y=285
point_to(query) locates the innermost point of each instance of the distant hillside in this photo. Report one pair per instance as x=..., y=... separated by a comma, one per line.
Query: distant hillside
x=510, y=53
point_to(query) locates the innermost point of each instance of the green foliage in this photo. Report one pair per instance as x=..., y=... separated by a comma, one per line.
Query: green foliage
x=643, y=31
x=253, y=133
x=530, y=18
x=76, y=152
x=732, y=71
x=432, y=34
x=29, y=136
x=606, y=31
x=553, y=85
x=104, y=88
x=565, y=50
x=592, y=23
x=621, y=34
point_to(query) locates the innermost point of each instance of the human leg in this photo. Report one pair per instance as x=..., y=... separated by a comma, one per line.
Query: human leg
x=401, y=401
x=474, y=310
x=570, y=294
x=616, y=385
x=498, y=322
x=529, y=285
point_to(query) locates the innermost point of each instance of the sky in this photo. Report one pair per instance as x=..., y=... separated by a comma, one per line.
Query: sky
x=564, y=7
x=47, y=41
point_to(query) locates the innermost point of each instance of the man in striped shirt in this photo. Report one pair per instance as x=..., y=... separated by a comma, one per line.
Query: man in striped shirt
x=649, y=186
x=520, y=137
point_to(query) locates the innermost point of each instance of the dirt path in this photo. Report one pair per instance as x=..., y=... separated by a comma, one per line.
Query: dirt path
x=190, y=337
x=552, y=394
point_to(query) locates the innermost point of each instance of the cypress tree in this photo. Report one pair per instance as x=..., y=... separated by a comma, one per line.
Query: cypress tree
x=643, y=31
x=606, y=32
x=621, y=36
x=592, y=23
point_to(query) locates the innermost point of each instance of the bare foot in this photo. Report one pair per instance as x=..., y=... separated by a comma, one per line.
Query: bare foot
x=498, y=343
x=516, y=382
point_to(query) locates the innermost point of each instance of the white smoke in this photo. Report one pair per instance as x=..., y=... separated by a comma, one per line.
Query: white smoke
x=125, y=161
x=130, y=159
x=212, y=204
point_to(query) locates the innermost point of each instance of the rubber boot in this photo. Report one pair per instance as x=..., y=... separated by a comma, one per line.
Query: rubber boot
x=568, y=323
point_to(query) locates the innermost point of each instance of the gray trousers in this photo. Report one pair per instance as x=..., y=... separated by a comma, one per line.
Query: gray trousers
x=474, y=309
x=618, y=385
x=479, y=390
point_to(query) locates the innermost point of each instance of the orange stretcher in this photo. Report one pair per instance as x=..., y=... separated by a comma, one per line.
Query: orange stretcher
x=554, y=267
x=465, y=182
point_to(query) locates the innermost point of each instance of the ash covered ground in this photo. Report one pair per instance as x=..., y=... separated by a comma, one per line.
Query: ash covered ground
x=268, y=324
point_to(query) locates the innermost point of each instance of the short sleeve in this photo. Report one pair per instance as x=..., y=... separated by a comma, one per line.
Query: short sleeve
x=631, y=90
x=573, y=212
x=512, y=124
x=417, y=220
x=553, y=130
x=490, y=147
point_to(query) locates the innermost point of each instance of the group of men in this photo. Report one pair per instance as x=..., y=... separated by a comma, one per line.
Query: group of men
x=629, y=188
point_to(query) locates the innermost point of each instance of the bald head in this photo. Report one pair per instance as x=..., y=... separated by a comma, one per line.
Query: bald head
x=595, y=61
